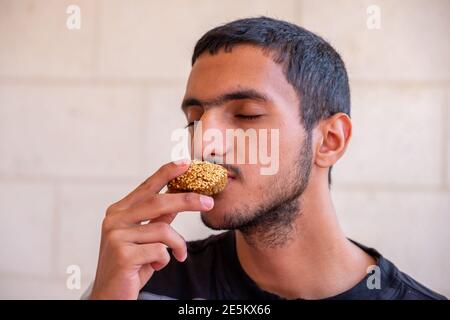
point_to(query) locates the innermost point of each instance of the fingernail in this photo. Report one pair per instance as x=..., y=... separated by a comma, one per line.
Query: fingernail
x=206, y=201
x=182, y=162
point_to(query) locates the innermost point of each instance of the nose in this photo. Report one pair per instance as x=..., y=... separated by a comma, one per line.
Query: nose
x=209, y=137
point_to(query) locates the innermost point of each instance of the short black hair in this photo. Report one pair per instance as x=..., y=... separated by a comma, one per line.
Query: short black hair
x=310, y=64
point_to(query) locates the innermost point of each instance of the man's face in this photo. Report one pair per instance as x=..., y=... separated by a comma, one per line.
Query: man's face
x=257, y=96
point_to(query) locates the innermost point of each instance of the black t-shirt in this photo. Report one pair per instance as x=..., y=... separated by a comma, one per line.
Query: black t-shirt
x=212, y=271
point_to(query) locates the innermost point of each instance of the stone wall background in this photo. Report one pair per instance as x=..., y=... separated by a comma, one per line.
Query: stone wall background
x=86, y=115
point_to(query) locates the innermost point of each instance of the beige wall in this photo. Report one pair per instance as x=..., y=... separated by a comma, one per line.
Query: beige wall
x=86, y=115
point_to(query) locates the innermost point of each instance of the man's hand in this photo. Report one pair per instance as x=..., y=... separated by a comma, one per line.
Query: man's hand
x=130, y=252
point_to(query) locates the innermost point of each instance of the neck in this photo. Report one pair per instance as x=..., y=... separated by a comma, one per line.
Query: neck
x=317, y=262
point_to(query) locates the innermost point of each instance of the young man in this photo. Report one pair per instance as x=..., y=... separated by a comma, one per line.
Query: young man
x=284, y=240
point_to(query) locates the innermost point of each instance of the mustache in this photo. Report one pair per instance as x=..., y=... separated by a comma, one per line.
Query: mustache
x=235, y=171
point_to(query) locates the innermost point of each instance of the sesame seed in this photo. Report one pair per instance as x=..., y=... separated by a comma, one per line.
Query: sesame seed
x=201, y=177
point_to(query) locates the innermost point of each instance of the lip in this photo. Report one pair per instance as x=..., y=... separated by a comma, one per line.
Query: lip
x=230, y=180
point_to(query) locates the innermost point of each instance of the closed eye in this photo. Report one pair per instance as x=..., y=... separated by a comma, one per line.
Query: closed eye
x=248, y=117
x=240, y=116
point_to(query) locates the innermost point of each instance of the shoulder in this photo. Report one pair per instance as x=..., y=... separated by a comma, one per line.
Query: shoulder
x=410, y=289
x=395, y=284
x=402, y=286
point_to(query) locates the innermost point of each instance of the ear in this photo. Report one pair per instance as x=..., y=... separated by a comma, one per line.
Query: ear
x=333, y=136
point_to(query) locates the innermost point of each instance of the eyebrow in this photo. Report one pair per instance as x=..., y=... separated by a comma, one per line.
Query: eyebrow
x=240, y=94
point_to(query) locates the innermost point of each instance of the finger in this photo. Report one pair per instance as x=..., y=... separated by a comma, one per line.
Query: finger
x=155, y=254
x=154, y=183
x=162, y=204
x=160, y=233
x=165, y=218
x=146, y=272
x=163, y=175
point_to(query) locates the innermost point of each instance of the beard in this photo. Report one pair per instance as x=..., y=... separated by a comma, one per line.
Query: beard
x=271, y=222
